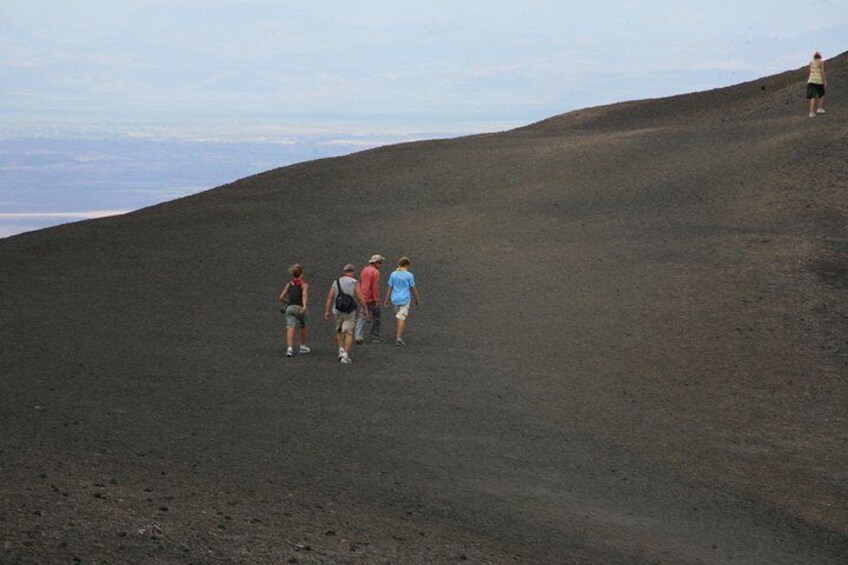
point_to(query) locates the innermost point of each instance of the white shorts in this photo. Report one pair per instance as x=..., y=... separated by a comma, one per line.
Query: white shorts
x=401, y=311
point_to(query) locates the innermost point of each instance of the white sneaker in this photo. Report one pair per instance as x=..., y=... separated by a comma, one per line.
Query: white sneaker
x=289, y=352
x=812, y=114
x=303, y=350
x=345, y=360
x=821, y=111
x=341, y=353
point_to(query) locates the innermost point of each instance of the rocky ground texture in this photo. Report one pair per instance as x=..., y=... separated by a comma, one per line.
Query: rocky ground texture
x=633, y=348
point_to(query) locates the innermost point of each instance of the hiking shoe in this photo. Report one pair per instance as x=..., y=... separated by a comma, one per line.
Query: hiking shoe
x=400, y=342
x=341, y=354
x=821, y=111
x=289, y=352
x=360, y=341
x=345, y=360
x=812, y=114
x=304, y=350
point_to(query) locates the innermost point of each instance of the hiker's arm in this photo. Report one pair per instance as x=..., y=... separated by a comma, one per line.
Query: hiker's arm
x=824, y=76
x=417, y=296
x=388, y=296
x=328, y=312
x=285, y=291
x=305, y=295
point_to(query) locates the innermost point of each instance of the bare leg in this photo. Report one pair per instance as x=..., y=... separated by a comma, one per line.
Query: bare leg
x=303, y=336
x=348, y=342
x=400, y=326
x=289, y=337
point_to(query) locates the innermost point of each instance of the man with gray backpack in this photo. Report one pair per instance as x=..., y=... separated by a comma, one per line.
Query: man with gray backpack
x=341, y=304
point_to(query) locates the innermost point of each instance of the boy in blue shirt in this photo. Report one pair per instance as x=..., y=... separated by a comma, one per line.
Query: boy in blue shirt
x=401, y=290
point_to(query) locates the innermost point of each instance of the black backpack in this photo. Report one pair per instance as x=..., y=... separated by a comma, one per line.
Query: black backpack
x=344, y=302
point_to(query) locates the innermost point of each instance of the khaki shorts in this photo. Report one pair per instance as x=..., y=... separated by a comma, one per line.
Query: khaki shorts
x=401, y=311
x=295, y=318
x=345, y=323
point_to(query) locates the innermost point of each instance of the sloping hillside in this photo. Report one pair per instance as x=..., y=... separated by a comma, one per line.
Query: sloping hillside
x=633, y=348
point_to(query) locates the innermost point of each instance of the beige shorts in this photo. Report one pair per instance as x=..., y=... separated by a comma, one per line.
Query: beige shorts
x=345, y=323
x=402, y=311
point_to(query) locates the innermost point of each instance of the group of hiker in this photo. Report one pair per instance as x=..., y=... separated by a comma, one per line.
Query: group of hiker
x=353, y=304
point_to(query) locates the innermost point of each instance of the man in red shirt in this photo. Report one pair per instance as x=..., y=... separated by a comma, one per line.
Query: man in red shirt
x=369, y=280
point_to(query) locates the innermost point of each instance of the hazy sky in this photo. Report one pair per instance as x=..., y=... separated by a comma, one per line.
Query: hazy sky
x=269, y=70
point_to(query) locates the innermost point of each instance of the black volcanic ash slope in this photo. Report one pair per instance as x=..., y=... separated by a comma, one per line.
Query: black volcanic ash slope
x=633, y=349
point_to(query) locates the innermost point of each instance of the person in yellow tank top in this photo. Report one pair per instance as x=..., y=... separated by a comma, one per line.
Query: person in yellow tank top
x=816, y=85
